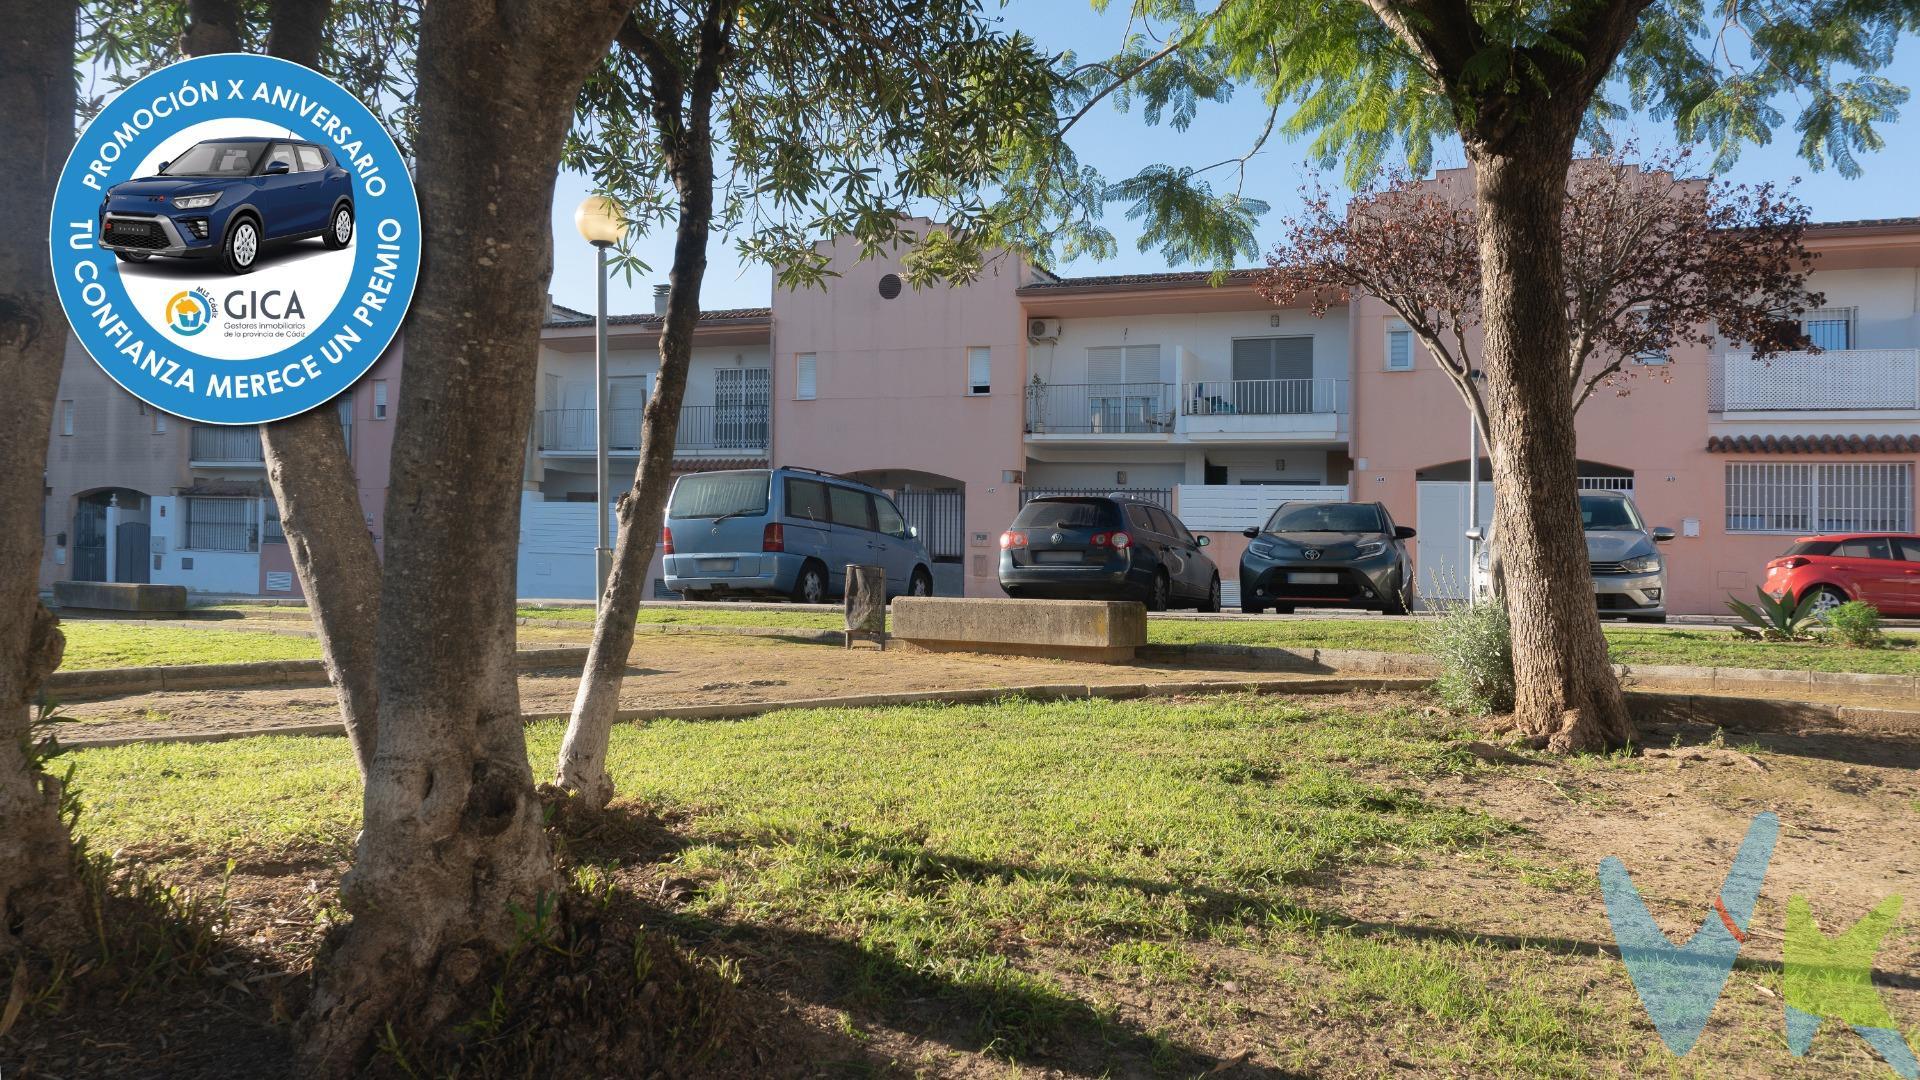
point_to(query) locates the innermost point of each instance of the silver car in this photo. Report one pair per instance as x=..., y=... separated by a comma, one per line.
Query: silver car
x=1629, y=573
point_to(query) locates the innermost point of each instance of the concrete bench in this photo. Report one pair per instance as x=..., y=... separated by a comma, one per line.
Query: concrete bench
x=1102, y=631
x=117, y=596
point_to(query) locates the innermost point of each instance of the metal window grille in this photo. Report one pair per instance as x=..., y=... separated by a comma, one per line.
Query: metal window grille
x=1829, y=328
x=1807, y=497
x=221, y=524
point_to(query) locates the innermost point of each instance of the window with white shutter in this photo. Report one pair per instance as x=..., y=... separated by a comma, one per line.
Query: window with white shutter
x=1399, y=350
x=380, y=399
x=807, y=373
x=1107, y=364
x=979, y=370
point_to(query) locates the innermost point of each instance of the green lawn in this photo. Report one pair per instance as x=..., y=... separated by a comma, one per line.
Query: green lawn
x=1630, y=644
x=105, y=644
x=1089, y=874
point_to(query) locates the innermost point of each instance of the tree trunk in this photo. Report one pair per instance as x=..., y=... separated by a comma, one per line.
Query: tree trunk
x=452, y=844
x=1566, y=692
x=39, y=895
x=318, y=495
x=688, y=145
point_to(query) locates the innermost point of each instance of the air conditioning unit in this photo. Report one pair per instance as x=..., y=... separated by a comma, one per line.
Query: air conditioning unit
x=1043, y=329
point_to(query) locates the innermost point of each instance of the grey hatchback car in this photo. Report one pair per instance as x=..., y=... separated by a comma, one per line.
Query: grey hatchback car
x=1629, y=573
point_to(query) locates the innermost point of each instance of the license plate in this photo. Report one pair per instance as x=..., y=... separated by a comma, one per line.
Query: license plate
x=1057, y=556
x=1314, y=579
x=131, y=228
x=716, y=564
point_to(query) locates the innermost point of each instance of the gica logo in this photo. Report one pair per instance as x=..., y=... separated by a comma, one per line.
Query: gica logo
x=223, y=166
x=1822, y=977
x=189, y=313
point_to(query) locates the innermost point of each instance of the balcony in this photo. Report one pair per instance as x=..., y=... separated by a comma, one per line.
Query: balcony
x=1208, y=411
x=1835, y=380
x=704, y=429
x=228, y=447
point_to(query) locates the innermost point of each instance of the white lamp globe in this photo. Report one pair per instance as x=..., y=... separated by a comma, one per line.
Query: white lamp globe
x=600, y=220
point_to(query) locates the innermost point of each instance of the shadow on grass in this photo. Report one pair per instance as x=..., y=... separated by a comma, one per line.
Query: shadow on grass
x=1890, y=751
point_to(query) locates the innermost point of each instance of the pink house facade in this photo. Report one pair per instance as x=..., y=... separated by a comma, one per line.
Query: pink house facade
x=964, y=400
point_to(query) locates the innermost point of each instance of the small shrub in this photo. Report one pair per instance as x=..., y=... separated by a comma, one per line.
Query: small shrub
x=1474, y=646
x=1855, y=623
x=1777, y=620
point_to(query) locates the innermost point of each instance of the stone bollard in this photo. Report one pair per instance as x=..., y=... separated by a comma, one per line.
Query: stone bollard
x=867, y=604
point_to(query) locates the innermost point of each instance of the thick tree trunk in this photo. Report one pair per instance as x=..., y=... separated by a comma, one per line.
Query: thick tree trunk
x=452, y=843
x=688, y=145
x=319, y=497
x=1566, y=692
x=39, y=895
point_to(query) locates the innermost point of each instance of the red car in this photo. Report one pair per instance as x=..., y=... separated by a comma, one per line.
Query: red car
x=1881, y=568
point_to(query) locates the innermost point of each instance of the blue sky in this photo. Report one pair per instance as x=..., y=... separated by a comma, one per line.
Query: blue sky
x=1119, y=144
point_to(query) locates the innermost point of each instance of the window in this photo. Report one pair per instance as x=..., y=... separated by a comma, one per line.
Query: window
x=979, y=370
x=66, y=418
x=806, y=367
x=221, y=524
x=1875, y=547
x=1270, y=359
x=850, y=507
x=889, y=517
x=1163, y=522
x=1399, y=350
x=280, y=152
x=1052, y=513
x=159, y=422
x=1804, y=497
x=719, y=494
x=1137, y=517
x=806, y=499
x=1829, y=328
x=1134, y=364
x=379, y=399
x=270, y=530
x=1909, y=548
x=310, y=159
x=344, y=405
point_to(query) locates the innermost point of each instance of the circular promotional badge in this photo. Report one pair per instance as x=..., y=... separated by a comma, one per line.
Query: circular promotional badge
x=235, y=239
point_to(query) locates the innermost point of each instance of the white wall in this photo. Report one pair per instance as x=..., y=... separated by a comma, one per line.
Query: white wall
x=213, y=571
x=1225, y=508
x=1101, y=474
x=1208, y=336
x=1887, y=299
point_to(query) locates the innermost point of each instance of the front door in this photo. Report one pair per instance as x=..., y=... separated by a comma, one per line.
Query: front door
x=90, y=542
x=893, y=546
x=130, y=557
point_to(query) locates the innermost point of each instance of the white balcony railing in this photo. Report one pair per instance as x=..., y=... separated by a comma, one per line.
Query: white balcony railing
x=1264, y=397
x=1833, y=380
x=702, y=428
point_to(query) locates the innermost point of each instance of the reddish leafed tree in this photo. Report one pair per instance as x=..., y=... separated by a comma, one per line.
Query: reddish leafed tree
x=1652, y=262
x=1655, y=262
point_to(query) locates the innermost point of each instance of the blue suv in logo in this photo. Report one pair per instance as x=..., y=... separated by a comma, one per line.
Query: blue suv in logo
x=228, y=199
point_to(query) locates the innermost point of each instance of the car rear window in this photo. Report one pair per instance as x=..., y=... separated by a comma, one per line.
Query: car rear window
x=1070, y=513
x=1812, y=547
x=710, y=495
x=1326, y=517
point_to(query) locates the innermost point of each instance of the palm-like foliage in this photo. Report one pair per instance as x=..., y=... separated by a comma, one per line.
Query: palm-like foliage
x=1784, y=619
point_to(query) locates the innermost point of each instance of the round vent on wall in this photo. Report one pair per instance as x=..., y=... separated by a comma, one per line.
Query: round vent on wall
x=889, y=286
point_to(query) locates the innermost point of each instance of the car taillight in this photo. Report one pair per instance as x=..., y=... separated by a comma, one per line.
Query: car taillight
x=1012, y=539
x=1099, y=539
x=773, y=537
x=1120, y=541
x=666, y=541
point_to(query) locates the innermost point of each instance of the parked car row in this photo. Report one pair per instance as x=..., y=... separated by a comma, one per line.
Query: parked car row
x=792, y=532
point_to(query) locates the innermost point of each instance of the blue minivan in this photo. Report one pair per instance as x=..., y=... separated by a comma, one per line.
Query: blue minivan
x=785, y=532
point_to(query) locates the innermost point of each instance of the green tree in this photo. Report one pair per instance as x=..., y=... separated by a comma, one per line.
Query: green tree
x=783, y=123
x=1520, y=86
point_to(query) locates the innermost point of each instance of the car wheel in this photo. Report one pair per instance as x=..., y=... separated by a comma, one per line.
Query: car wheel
x=1827, y=598
x=242, y=247
x=811, y=586
x=340, y=232
x=1212, y=603
x=133, y=256
x=921, y=584
x=1157, y=592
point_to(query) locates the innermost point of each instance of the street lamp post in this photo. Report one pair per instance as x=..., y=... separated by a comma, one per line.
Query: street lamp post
x=1474, y=532
x=602, y=223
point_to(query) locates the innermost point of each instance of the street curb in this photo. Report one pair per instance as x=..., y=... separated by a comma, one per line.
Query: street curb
x=745, y=709
x=92, y=684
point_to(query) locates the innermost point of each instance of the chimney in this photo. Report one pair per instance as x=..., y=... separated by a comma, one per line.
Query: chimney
x=660, y=298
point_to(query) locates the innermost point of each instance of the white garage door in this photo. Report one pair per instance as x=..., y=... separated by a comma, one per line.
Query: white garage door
x=1441, y=546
